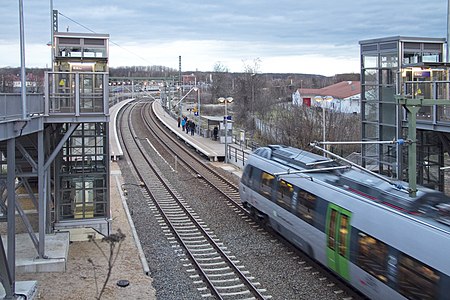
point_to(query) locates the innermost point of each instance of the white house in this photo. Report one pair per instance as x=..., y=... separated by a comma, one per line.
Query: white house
x=346, y=96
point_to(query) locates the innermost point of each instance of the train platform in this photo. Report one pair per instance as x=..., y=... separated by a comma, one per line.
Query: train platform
x=115, y=148
x=213, y=150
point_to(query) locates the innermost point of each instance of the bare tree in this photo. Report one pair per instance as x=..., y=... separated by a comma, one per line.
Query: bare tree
x=114, y=241
x=221, y=85
x=298, y=126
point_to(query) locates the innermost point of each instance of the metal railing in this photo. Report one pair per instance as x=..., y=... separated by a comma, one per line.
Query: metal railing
x=430, y=90
x=76, y=93
x=11, y=106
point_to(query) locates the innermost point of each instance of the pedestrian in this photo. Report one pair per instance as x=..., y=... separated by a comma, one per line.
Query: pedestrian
x=188, y=126
x=192, y=128
x=215, y=132
x=183, y=123
x=179, y=121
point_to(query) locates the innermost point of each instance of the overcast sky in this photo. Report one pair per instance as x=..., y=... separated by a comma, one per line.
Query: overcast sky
x=299, y=36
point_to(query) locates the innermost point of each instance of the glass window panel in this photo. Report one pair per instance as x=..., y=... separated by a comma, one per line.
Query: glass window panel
x=267, y=181
x=389, y=61
x=387, y=94
x=417, y=280
x=306, y=204
x=388, y=133
x=430, y=57
x=388, y=113
x=370, y=150
x=443, y=113
x=370, y=61
x=370, y=92
x=387, y=77
x=411, y=58
x=370, y=76
x=284, y=194
x=332, y=229
x=370, y=131
x=370, y=111
x=425, y=113
x=343, y=233
x=372, y=256
x=389, y=153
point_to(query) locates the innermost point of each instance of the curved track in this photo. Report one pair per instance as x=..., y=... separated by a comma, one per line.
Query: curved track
x=191, y=160
x=224, y=278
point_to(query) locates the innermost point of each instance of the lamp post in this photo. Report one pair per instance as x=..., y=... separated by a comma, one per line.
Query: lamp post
x=322, y=101
x=225, y=118
x=198, y=110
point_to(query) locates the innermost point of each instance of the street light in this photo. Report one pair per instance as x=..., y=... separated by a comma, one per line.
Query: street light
x=323, y=101
x=225, y=118
x=198, y=109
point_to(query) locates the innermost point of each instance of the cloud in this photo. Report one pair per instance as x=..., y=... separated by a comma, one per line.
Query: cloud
x=205, y=32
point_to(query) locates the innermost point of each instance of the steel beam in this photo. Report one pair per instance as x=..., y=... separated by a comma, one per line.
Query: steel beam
x=11, y=216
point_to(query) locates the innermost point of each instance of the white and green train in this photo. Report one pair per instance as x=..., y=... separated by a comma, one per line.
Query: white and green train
x=366, y=230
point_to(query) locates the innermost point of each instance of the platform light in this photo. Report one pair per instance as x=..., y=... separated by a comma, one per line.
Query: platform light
x=225, y=118
x=323, y=101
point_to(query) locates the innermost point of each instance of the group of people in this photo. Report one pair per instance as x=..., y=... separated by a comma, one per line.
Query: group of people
x=186, y=124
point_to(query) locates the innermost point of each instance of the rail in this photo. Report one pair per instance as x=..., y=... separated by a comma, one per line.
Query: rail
x=237, y=155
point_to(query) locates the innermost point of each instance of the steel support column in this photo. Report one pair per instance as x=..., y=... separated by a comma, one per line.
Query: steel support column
x=11, y=211
x=5, y=275
x=42, y=195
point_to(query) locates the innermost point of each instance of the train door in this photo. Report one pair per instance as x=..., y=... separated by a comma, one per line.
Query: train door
x=338, y=240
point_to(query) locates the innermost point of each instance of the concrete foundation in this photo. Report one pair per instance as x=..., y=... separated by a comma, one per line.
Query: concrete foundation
x=56, y=250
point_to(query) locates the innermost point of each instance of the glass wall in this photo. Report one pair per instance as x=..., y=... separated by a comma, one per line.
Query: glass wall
x=83, y=173
x=391, y=66
x=379, y=62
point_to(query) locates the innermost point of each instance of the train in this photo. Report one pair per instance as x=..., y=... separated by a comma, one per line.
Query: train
x=366, y=229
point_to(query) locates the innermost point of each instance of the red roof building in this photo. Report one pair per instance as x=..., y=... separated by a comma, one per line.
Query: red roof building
x=346, y=96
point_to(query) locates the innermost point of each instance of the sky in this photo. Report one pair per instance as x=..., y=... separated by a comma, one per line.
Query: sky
x=284, y=36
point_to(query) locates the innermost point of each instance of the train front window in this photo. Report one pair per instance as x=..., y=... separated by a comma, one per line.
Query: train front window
x=284, y=194
x=417, y=280
x=372, y=256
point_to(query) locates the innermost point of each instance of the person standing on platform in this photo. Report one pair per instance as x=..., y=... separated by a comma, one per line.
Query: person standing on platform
x=183, y=123
x=192, y=128
x=215, y=132
x=179, y=121
x=188, y=126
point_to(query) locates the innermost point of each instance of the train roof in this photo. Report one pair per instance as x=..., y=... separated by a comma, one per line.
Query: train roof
x=294, y=157
x=427, y=202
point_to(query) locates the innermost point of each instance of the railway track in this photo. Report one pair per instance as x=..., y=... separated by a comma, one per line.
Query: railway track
x=191, y=160
x=156, y=136
x=221, y=272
